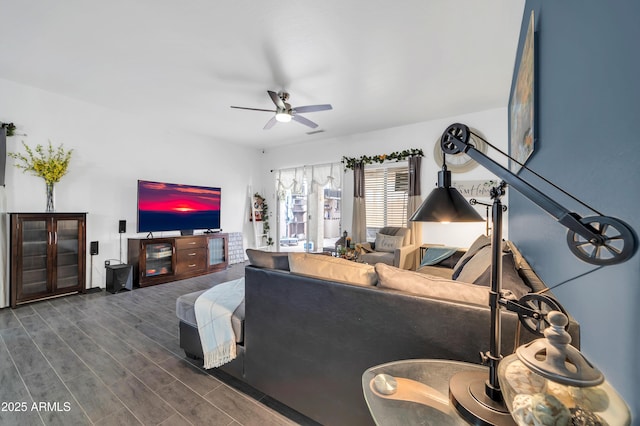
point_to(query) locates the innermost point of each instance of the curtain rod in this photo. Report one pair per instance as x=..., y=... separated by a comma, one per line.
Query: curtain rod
x=305, y=165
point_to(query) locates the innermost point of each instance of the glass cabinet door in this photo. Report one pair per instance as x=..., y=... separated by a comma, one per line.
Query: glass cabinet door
x=34, y=239
x=159, y=259
x=47, y=255
x=67, y=262
x=216, y=251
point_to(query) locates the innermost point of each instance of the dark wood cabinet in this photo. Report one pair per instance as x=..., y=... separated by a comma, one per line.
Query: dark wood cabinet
x=48, y=255
x=162, y=260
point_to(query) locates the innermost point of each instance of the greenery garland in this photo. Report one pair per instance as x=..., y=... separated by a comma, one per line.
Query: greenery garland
x=350, y=162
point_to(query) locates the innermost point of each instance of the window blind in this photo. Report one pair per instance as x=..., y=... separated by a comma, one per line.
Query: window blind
x=386, y=191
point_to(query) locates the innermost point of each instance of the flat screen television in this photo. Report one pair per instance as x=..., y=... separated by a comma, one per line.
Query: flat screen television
x=173, y=207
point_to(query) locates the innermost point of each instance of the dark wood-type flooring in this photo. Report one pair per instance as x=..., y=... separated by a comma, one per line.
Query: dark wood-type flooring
x=114, y=359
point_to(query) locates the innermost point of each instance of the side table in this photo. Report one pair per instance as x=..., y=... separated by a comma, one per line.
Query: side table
x=431, y=392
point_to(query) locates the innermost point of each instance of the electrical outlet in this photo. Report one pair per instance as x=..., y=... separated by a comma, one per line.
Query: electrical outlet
x=107, y=263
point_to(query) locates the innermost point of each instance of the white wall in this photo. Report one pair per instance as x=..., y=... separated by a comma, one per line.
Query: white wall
x=491, y=123
x=111, y=152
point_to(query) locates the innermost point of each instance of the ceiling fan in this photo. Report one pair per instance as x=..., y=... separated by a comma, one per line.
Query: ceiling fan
x=285, y=112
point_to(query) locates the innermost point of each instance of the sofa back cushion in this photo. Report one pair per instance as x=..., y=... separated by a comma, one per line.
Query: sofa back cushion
x=268, y=259
x=430, y=286
x=478, y=271
x=332, y=268
x=479, y=243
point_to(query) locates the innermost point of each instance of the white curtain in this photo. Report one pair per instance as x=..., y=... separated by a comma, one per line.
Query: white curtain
x=289, y=180
x=325, y=174
x=293, y=180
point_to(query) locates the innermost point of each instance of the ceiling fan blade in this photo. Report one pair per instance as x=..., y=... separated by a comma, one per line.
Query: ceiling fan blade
x=276, y=99
x=305, y=121
x=312, y=108
x=253, y=109
x=270, y=123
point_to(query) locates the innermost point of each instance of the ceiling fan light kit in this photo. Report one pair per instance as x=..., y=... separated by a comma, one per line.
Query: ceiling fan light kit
x=284, y=113
x=283, y=117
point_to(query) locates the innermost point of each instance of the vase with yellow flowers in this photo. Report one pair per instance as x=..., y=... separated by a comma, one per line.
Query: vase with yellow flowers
x=48, y=163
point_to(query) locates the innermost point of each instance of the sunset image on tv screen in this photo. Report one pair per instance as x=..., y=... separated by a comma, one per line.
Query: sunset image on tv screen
x=174, y=207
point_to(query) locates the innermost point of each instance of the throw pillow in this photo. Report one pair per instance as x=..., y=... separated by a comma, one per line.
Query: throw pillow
x=430, y=286
x=388, y=243
x=332, y=268
x=480, y=242
x=441, y=256
x=268, y=259
x=478, y=271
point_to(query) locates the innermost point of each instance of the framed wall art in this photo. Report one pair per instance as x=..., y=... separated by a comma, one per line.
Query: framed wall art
x=522, y=135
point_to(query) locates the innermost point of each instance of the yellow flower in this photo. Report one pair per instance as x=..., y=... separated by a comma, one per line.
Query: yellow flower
x=50, y=165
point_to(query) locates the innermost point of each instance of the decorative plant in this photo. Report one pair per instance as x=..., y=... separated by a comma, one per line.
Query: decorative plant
x=11, y=128
x=396, y=156
x=265, y=220
x=50, y=164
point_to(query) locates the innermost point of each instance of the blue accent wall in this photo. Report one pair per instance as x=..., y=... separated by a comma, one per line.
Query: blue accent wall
x=588, y=142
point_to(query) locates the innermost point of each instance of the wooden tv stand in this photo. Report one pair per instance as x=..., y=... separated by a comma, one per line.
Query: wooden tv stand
x=166, y=259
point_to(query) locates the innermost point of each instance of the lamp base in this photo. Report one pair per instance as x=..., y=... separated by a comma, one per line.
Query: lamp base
x=468, y=396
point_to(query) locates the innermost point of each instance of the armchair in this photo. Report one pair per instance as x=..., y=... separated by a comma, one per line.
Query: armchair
x=389, y=248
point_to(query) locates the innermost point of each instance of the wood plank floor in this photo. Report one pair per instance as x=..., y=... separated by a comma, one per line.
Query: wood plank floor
x=114, y=359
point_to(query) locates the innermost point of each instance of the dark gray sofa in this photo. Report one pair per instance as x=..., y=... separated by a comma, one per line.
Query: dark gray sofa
x=307, y=341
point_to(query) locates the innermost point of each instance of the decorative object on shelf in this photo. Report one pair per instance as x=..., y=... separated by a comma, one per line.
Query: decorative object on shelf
x=50, y=164
x=9, y=127
x=262, y=214
x=258, y=206
x=350, y=162
x=549, y=382
x=598, y=240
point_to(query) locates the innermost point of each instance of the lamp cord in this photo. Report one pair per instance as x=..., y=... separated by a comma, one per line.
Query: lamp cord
x=574, y=278
x=536, y=174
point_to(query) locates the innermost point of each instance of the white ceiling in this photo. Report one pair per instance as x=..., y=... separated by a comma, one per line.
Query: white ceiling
x=379, y=63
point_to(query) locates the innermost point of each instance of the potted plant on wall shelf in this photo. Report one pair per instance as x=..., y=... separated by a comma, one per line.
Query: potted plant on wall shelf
x=50, y=164
x=10, y=128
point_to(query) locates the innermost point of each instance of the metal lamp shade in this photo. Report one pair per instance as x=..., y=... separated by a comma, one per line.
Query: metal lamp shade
x=446, y=204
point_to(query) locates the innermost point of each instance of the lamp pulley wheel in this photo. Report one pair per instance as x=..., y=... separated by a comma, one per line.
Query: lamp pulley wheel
x=541, y=305
x=616, y=245
x=458, y=131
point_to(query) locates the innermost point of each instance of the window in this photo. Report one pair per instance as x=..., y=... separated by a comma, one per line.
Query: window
x=386, y=190
x=309, y=207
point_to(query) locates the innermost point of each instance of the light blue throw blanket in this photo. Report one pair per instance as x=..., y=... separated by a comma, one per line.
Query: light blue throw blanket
x=435, y=255
x=213, y=310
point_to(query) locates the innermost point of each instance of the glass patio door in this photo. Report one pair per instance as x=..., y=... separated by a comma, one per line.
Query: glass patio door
x=309, y=204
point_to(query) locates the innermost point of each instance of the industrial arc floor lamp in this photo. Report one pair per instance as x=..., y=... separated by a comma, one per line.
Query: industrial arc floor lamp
x=598, y=240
